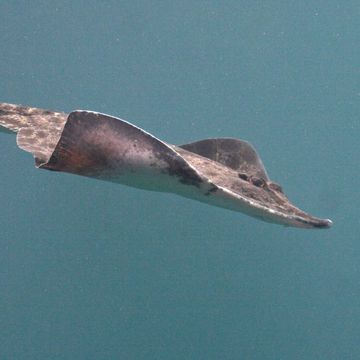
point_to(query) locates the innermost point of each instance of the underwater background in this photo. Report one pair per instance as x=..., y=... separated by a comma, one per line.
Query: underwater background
x=95, y=270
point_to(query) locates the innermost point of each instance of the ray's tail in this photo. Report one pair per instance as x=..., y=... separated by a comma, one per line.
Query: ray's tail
x=38, y=130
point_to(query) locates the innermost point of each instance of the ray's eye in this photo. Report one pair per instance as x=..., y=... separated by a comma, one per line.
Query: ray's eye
x=259, y=182
x=243, y=176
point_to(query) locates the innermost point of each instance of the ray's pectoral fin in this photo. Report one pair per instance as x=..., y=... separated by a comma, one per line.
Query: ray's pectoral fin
x=101, y=146
x=236, y=154
x=95, y=144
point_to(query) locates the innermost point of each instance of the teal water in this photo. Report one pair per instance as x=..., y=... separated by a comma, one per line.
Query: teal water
x=94, y=270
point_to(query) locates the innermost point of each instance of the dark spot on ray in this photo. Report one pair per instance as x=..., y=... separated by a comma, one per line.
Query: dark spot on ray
x=185, y=174
x=178, y=167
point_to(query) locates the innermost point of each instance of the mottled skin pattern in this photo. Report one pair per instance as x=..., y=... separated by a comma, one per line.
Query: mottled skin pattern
x=38, y=130
x=222, y=172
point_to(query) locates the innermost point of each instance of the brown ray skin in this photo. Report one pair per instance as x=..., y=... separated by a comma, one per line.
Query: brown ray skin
x=100, y=146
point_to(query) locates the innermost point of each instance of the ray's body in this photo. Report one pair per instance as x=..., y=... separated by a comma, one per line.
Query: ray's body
x=223, y=172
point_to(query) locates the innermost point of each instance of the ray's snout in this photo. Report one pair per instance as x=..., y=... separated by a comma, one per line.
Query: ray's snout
x=312, y=223
x=323, y=224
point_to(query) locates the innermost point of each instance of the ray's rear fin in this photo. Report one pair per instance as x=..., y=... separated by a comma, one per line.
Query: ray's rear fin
x=238, y=155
